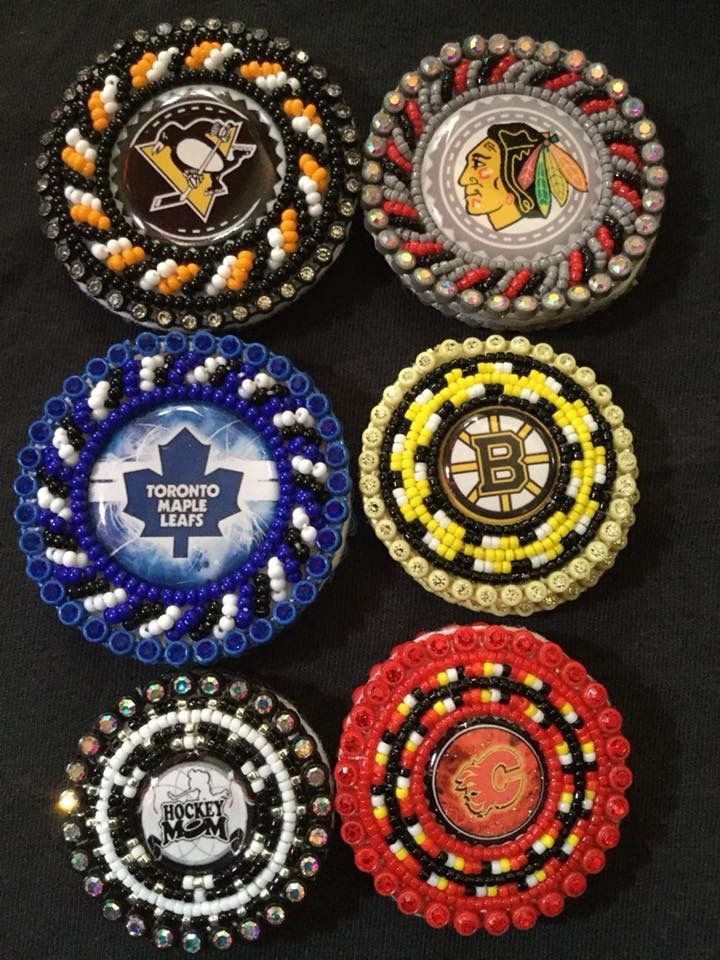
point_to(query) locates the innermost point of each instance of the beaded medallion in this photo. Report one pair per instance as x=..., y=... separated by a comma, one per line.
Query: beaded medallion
x=199, y=176
x=183, y=497
x=513, y=184
x=481, y=778
x=198, y=811
x=499, y=474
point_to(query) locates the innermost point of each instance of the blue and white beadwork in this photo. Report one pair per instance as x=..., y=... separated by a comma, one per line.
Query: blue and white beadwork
x=184, y=497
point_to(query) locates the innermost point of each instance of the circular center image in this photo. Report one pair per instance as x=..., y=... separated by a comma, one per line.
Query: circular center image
x=196, y=164
x=511, y=174
x=181, y=495
x=194, y=813
x=487, y=781
x=498, y=465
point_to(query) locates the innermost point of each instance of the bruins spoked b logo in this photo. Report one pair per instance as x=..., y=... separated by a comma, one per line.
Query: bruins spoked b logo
x=498, y=465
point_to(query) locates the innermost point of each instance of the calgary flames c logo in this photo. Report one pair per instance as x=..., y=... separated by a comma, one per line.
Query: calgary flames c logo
x=491, y=780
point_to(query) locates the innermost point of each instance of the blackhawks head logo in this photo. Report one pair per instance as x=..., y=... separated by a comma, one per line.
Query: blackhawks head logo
x=517, y=171
x=194, y=158
x=491, y=780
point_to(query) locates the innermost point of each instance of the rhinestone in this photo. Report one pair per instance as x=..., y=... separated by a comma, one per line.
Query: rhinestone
x=303, y=748
x=285, y=723
x=644, y=129
x=238, y=690
x=353, y=158
x=164, y=318
x=375, y=145
x=111, y=910
x=89, y=745
x=318, y=837
x=632, y=108
x=213, y=23
x=187, y=24
x=353, y=184
x=191, y=942
x=553, y=301
x=388, y=241
x=404, y=260
x=62, y=252
x=76, y=771
x=471, y=300
x=264, y=303
x=525, y=47
x=653, y=152
x=578, y=293
x=333, y=90
x=77, y=269
x=141, y=36
x=498, y=44
x=274, y=914
x=525, y=304
x=548, y=52
x=619, y=266
x=189, y=321
x=474, y=46
x=306, y=274
x=371, y=196
x=422, y=277
x=377, y=219
x=337, y=232
x=309, y=866
x=155, y=692
x=430, y=67
x=348, y=134
x=237, y=26
x=575, y=60
x=600, y=284
x=71, y=832
x=596, y=73
x=182, y=684
x=294, y=891
x=410, y=83
x=240, y=313
x=393, y=101
x=163, y=29
x=321, y=806
x=221, y=939
x=163, y=937
x=346, y=208
x=646, y=224
x=138, y=311
x=656, y=176
x=498, y=303
x=209, y=685
x=249, y=930
x=42, y=184
x=315, y=776
x=127, y=707
x=264, y=704
x=42, y=161
x=115, y=300
x=287, y=290
x=79, y=861
x=93, y=885
x=634, y=246
x=451, y=54
x=653, y=201
x=213, y=319
x=135, y=925
x=107, y=723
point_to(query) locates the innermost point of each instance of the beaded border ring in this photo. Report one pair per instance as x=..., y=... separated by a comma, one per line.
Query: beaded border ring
x=198, y=811
x=514, y=283
x=497, y=728
x=443, y=502
x=271, y=566
x=239, y=277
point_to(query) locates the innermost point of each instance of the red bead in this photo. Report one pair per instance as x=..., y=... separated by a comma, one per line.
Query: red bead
x=551, y=904
x=610, y=720
x=378, y=692
x=597, y=105
x=385, y=883
x=523, y=641
x=496, y=922
x=460, y=77
x=414, y=116
x=501, y=67
x=400, y=209
x=620, y=778
x=437, y=915
x=466, y=922
x=366, y=859
x=617, y=748
x=439, y=645
x=524, y=917
x=617, y=807
x=627, y=151
x=573, y=673
x=575, y=264
x=605, y=238
x=422, y=249
x=472, y=277
x=550, y=655
x=563, y=80
x=595, y=694
x=345, y=775
x=345, y=803
x=608, y=836
x=394, y=156
x=574, y=885
x=408, y=901
x=517, y=283
x=621, y=189
x=352, y=832
x=594, y=860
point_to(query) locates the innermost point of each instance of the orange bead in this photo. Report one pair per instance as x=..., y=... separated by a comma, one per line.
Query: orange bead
x=290, y=237
x=184, y=273
x=88, y=168
x=65, y=154
x=115, y=262
x=135, y=69
x=92, y=217
x=76, y=212
x=194, y=268
x=100, y=124
x=233, y=283
x=128, y=256
x=319, y=175
x=139, y=254
x=150, y=57
x=104, y=223
x=310, y=110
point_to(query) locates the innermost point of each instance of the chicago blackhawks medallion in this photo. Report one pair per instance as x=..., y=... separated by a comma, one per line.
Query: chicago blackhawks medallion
x=198, y=810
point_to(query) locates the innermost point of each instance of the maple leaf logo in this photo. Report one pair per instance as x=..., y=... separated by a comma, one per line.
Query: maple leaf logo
x=183, y=500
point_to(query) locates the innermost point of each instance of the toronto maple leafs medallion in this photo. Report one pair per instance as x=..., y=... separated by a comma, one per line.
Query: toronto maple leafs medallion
x=184, y=498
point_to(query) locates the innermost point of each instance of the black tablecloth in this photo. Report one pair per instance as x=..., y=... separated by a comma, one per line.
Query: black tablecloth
x=648, y=630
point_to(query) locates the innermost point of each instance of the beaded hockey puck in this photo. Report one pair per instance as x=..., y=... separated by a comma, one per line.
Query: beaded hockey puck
x=481, y=777
x=499, y=474
x=513, y=184
x=198, y=811
x=199, y=175
x=183, y=497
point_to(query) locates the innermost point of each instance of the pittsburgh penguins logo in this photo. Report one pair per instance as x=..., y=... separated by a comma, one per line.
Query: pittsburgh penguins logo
x=493, y=780
x=498, y=465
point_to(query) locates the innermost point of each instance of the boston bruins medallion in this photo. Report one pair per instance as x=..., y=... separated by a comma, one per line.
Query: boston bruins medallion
x=202, y=175
x=513, y=184
x=197, y=810
x=499, y=475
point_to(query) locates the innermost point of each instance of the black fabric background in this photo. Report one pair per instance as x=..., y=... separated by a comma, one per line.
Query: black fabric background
x=648, y=630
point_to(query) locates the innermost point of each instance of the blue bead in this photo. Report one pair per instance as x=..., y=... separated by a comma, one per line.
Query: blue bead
x=328, y=540
x=55, y=408
x=176, y=653
x=304, y=592
x=205, y=651
x=120, y=642
x=74, y=387
x=256, y=354
x=279, y=367
x=71, y=613
x=336, y=511
x=329, y=428
x=96, y=368
x=25, y=486
x=148, y=651
x=230, y=347
x=261, y=631
x=235, y=643
x=147, y=344
x=38, y=569
x=284, y=613
x=204, y=342
x=29, y=458
x=319, y=567
x=40, y=432
x=118, y=354
x=299, y=385
x=175, y=342
x=339, y=482
x=52, y=592
x=31, y=542
x=95, y=630
x=317, y=404
x=336, y=455
x=25, y=513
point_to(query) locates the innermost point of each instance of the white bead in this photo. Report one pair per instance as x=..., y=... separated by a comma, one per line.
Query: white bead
x=314, y=197
x=277, y=256
x=319, y=471
x=281, y=78
x=224, y=271
x=111, y=108
x=91, y=154
x=229, y=260
x=227, y=49
x=226, y=623
x=114, y=246
x=99, y=250
x=143, y=631
x=308, y=534
x=109, y=599
x=277, y=583
x=154, y=628
x=315, y=210
x=307, y=184
x=69, y=558
x=57, y=504
x=174, y=612
x=301, y=124
x=111, y=78
x=275, y=237
x=72, y=137
x=218, y=282
x=316, y=132
x=120, y=594
x=81, y=146
x=294, y=83
x=124, y=243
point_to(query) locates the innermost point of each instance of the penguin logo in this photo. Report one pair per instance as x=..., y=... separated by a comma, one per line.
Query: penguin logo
x=195, y=159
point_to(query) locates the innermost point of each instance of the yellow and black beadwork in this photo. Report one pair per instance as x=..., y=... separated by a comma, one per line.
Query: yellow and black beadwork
x=500, y=475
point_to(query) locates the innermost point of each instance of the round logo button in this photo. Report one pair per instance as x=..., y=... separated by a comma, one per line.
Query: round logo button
x=498, y=465
x=487, y=781
x=183, y=494
x=196, y=164
x=194, y=813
